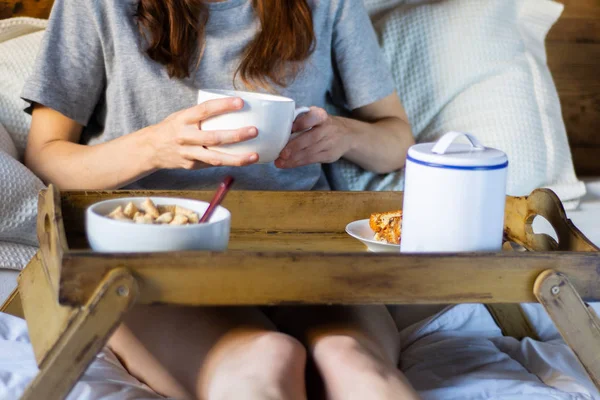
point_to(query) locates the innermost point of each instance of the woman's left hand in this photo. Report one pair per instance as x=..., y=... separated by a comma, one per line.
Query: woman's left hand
x=326, y=141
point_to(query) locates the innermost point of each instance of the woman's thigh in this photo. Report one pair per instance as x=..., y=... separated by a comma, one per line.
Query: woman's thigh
x=173, y=349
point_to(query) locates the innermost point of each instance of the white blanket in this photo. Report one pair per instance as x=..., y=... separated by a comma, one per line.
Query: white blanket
x=457, y=354
x=461, y=354
x=105, y=379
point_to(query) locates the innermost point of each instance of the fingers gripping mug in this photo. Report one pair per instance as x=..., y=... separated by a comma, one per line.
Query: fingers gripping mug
x=272, y=115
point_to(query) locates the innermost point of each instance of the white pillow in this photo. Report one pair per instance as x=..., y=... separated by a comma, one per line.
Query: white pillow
x=478, y=66
x=20, y=39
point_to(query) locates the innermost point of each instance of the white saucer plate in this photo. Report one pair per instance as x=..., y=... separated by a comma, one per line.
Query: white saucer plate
x=362, y=231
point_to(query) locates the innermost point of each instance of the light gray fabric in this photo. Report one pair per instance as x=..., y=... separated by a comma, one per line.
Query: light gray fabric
x=93, y=69
x=15, y=256
x=18, y=186
x=18, y=202
x=19, y=42
x=381, y=6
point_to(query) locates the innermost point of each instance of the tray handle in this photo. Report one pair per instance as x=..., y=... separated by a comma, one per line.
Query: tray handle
x=51, y=233
x=520, y=213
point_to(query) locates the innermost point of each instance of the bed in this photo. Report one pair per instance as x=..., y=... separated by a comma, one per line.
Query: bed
x=492, y=363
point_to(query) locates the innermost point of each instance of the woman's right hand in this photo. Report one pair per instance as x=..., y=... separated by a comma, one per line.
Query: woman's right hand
x=179, y=141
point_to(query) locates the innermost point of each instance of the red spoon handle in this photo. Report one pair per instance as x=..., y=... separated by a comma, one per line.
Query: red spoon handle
x=218, y=198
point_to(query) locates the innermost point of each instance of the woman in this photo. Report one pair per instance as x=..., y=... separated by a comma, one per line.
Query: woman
x=112, y=98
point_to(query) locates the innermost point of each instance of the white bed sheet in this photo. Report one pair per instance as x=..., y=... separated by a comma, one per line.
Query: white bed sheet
x=105, y=379
x=458, y=353
x=461, y=354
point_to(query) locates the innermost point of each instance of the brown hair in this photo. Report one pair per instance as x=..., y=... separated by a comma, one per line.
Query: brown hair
x=174, y=30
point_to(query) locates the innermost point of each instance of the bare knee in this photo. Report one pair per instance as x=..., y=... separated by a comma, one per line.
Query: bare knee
x=350, y=355
x=277, y=344
x=355, y=368
x=279, y=351
x=269, y=363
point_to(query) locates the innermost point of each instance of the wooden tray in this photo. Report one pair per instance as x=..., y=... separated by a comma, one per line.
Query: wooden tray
x=290, y=247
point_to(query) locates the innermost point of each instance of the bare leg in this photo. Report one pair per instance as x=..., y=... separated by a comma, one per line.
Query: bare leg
x=210, y=353
x=355, y=350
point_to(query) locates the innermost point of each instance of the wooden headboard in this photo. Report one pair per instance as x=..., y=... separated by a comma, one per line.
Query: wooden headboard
x=573, y=55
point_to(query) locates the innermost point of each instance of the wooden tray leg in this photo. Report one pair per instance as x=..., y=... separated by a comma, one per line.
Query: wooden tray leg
x=512, y=320
x=84, y=337
x=510, y=316
x=578, y=324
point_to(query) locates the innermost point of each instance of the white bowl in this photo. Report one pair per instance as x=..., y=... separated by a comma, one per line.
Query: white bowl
x=362, y=231
x=108, y=235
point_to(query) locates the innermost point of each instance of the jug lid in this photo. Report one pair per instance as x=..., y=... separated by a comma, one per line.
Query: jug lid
x=446, y=154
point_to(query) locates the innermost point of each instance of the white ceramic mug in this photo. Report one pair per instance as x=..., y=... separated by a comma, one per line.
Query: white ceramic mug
x=272, y=116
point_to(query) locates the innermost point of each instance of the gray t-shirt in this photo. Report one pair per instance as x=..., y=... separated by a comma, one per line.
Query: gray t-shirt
x=92, y=67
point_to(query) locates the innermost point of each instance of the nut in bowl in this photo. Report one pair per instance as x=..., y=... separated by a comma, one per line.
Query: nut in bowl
x=149, y=213
x=156, y=224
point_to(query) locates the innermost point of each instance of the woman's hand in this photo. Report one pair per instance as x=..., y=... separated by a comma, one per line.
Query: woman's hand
x=180, y=142
x=55, y=154
x=377, y=138
x=327, y=140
